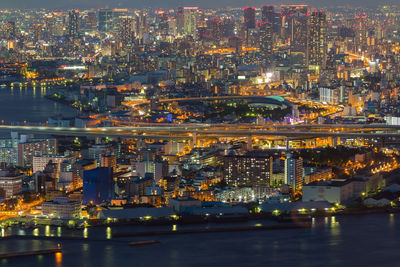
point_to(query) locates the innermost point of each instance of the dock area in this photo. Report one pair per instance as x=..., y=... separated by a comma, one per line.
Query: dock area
x=57, y=238
x=30, y=253
x=213, y=230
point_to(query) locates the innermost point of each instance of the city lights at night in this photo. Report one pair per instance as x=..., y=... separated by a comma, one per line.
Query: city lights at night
x=199, y=133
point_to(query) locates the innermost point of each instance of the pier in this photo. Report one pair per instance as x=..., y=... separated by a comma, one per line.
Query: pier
x=214, y=230
x=57, y=238
x=30, y=253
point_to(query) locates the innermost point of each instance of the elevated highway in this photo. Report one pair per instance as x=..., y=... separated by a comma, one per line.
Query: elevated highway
x=189, y=131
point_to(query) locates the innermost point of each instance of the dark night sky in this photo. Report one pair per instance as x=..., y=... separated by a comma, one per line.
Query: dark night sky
x=63, y=4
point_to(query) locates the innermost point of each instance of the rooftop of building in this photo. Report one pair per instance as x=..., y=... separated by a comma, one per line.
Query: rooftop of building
x=138, y=180
x=292, y=206
x=184, y=199
x=84, y=162
x=61, y=200
x=53, y=156
x=10, y=175
x=332, y=183
x=136, y=213
x=216, y=210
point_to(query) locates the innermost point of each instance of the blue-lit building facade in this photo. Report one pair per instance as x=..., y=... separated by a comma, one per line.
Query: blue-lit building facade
x=98, y=185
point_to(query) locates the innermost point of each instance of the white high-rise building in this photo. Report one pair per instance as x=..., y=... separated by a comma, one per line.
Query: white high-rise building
x=294, y=172
x=39, y=162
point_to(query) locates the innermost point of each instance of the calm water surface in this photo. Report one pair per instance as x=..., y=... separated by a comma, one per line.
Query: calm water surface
x=369, y=240
x=29, y=104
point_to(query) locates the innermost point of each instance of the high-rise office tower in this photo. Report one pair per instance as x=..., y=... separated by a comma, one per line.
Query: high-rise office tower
x=214, y=27
x=90, y=20
x=105, y=20
x=266, y=44
x=361, y=33
x=228, y=27
x=200, y=19
x=117, y=13
x=73, y=24
x=126, y=30
x=49, y=27
x=141, y=24
x=59, y=26
x=288, y=15
x=317, y=44
x=294, y=28
x=163, y=25
x=298, y=34
x=190, y=19
x=250, y=34
x=179, y=20
x=268, y=14
x=187, y=20
x=249, y=14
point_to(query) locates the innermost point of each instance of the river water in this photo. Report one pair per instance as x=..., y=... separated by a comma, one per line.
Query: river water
x=21, y=104
x=367, y=240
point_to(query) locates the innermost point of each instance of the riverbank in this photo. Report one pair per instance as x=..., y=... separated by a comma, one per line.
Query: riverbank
x=29, y=105
x=30, y=253
x=73, y=104
x=120, y=232
x=331, y=241
x=214, y=230
x=78, y=224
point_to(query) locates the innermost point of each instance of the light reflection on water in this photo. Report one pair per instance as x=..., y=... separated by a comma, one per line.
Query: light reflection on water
x=335, y=231
x=108, y=233
x=21, y=232
x=58, y=259
x=85, y=233
x=35, y=232
x=85, y=247
x=391, y=219
x=47, y=230
x=342, y=241
x=19, y=104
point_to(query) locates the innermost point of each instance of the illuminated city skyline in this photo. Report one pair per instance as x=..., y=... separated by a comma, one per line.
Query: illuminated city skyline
x=172, y=3
x=199, y=135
